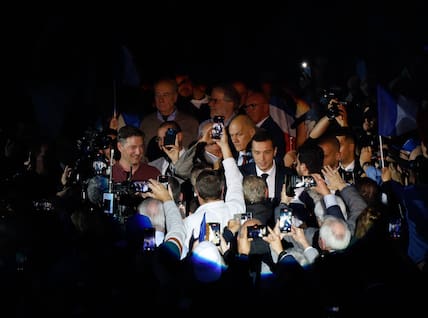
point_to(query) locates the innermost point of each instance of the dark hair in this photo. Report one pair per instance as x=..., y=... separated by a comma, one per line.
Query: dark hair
x=329, y=139
x=369, y=190
x=263, y=135
x=209, y=184
x=230, y=93
x=312, y=156
x=171, y=123
x=129, y=131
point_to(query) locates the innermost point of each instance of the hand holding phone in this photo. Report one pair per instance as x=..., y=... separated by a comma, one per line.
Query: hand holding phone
x=170, y=136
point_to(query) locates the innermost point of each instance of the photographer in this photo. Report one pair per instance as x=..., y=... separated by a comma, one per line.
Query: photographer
x=336, y=116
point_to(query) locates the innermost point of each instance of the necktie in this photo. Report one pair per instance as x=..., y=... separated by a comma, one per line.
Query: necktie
x=244, y=159
x=264, y=176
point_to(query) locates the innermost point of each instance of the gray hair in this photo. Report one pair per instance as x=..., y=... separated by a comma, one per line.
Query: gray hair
x=335, y=233
x=153, y=209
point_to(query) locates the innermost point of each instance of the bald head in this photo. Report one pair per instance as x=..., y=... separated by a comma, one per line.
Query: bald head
x=241, y=130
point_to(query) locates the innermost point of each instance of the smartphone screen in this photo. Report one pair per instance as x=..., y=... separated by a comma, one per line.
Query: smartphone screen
x=218, y=126
x=170, y=135
x=149, y=243
x=285, y=219
x=108, y=201
x=256, y=231
x=214, y=233
x=141, y=186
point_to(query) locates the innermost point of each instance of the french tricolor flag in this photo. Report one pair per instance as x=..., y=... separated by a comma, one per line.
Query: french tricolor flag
x=396, y=116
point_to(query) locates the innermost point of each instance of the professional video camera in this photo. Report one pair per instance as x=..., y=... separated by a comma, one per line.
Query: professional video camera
x=326, y=98
x=123, y=199
x=90, y=160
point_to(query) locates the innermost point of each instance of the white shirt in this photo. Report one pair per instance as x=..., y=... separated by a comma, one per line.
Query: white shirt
x=270, y=179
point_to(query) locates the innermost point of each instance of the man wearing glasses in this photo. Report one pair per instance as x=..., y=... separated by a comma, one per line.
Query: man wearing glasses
x=257, y=108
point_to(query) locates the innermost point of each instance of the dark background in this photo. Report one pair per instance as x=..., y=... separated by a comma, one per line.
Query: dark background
x=70, y=60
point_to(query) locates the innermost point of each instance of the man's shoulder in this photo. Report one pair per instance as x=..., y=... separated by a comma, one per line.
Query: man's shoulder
x=190, y=119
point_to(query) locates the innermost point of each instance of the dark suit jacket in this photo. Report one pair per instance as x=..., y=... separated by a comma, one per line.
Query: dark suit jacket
x=281, y=171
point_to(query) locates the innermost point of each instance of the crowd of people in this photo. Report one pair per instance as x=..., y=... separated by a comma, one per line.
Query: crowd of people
x=159, y=212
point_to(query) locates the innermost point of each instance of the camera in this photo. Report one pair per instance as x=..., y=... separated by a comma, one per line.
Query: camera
x=333, y=111
x=170, y=136
x=329, y=94
x=256, y=231
x=218, y=125
x=285, y=219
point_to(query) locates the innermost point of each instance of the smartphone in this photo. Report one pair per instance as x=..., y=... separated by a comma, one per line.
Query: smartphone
x=108, y=203
x=214, y=233
x=170, y=135
x=309, y=181
x=285, y=219
x=304, y=182
x=290, y=182
x=164, y=180
x=141, y=186
x=218, y=127
x=149, y=241
x=256, y=231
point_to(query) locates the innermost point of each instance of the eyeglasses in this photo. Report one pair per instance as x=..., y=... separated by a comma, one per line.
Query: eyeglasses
x=252, y=106
x=163, y=95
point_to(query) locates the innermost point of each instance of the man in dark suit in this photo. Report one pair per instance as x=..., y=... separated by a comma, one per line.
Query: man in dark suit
x=263, y=150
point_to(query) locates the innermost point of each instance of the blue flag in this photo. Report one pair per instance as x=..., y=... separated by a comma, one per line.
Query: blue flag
x=203, y=229
x=395, y=116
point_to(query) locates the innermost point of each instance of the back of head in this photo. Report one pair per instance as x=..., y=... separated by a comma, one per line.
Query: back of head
x=312, y=156
x=369, y=190
x=335, y=234
x=153, y=209
x=366, y=220
x=209, y=184
x=254, y=189
x=196, y=169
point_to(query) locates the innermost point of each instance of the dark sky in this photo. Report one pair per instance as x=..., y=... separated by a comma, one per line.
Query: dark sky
x=230, y=36
x=74, y=56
